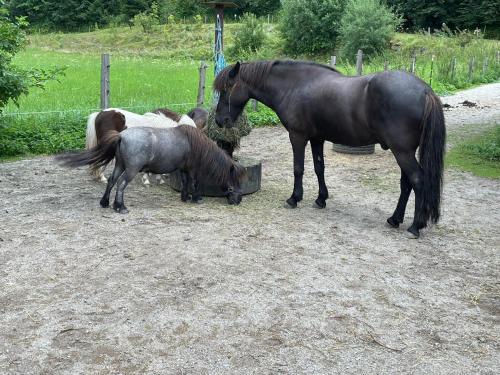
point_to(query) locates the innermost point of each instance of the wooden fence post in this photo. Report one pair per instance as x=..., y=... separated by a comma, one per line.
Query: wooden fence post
x=333, y=61
x=255, y=104
x=485, y=65
x=432, y=70
x=413, y=64
x=453, y=67
x=105, y=87
x=471, y=67
x=386, y=66
x=359, y=62
x=498, y=57
x=201, y=85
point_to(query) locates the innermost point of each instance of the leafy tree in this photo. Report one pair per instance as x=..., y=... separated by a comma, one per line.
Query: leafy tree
x=460, y=14
x=260, y=7
x=311, y=26
x=15, y=81
x=249, y=37
x=367, y=25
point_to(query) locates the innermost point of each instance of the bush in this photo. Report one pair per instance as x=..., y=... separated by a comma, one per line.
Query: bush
x=367, y=25
x=310, y=27
x=249, y=37
x=148, y=19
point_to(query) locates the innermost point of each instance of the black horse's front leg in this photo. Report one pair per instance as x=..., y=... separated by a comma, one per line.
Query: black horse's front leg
x=298, y=142
x=319, y=168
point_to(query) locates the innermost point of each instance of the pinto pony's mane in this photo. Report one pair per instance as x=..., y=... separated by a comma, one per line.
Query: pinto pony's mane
x=255, y=73
x=168, y=113
x=205, y=155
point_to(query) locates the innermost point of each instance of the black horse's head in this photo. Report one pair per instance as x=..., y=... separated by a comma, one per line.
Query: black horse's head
x=233, y=95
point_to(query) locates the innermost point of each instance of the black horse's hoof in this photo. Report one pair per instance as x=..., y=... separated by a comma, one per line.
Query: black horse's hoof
x=184, y=198
x=414, y=232
x=392, y=222
x=291, y=203
x=319, y=203
x=196, y=200
x=104, y=203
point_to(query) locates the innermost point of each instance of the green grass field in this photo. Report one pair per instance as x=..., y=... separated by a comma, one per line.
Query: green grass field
x=161, y=70
x=479, y=155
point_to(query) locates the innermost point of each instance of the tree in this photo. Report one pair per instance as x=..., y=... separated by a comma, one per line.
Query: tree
x=311, y=26
x=367, y=25
x=260, y=7
x=15, y=81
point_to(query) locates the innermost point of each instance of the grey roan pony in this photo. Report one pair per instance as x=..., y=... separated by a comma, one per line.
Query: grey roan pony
x=161, y=150
x=317, y=103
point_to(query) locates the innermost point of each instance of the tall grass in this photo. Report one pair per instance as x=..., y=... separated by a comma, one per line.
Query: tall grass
x=161, y=70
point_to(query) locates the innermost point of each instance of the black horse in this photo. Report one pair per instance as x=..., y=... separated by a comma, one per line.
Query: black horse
x=317, y=103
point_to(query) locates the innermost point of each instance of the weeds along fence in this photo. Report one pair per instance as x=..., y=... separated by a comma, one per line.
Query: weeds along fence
x=52, y=131
x=445, y=71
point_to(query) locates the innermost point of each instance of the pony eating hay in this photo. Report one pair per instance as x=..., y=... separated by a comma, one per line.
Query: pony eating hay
x=160, y=150
x=100, y=123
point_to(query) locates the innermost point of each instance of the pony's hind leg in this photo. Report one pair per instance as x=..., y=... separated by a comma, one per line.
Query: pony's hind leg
x=319, y=168
x=123, y=181
x=117, y=172
x=413, y=171
x=399, y=214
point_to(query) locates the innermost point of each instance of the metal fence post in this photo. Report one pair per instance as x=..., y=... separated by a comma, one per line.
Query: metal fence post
x=105, y=83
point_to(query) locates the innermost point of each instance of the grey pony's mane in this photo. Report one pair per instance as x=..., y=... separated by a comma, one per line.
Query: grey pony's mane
x=205, y=155
x=254, y=73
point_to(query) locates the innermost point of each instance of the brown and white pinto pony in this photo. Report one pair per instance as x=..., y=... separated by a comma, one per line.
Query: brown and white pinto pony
x=159, y=118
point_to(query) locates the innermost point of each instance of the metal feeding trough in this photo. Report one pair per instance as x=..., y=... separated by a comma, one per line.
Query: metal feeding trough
x=253, y=168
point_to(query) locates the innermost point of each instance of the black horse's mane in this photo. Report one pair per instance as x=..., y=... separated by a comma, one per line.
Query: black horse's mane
x=255, y=72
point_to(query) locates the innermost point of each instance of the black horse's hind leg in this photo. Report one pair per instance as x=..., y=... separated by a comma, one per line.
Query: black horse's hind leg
x=184, y=186
x=399, y=214
x=298, y=145
x=117, y=172
x=319, y=168
x=414, y=173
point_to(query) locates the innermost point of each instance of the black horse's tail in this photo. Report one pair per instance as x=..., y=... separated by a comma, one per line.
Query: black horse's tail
x=431, y=155
x=96, y=157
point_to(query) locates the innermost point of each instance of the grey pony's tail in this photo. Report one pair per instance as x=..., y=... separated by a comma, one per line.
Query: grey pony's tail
x=431, y=156
x=96, y=157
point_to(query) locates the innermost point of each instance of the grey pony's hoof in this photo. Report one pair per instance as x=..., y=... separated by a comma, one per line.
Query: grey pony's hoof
x=291, y=203
x=104, y=204
x=319, y=203
x=393, y=223
x=413, y=232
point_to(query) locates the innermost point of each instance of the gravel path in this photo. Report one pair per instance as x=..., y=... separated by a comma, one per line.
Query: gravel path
x=175, y=288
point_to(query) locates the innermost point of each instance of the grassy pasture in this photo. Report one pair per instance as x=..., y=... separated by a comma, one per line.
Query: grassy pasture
x=160, y=69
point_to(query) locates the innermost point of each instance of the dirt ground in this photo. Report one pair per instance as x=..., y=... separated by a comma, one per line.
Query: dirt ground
x=175, y=288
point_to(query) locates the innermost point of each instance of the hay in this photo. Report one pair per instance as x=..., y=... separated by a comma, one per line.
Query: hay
x=232, y=135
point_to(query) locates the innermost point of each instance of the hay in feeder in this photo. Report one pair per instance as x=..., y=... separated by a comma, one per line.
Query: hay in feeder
x=231, y=135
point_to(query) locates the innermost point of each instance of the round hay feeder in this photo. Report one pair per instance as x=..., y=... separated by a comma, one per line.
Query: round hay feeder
x=359, y=150
x=253, y=168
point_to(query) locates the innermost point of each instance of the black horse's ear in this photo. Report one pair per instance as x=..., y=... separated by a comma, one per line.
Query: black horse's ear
x=234, y=72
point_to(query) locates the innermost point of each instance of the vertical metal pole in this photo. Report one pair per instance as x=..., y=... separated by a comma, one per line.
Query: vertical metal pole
x=255, y=104
x=359, y=62
x=105, y=83
x=333, y=61
x=386, y=65
x=201, y=86
x=413, y=64
x=220, y=12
